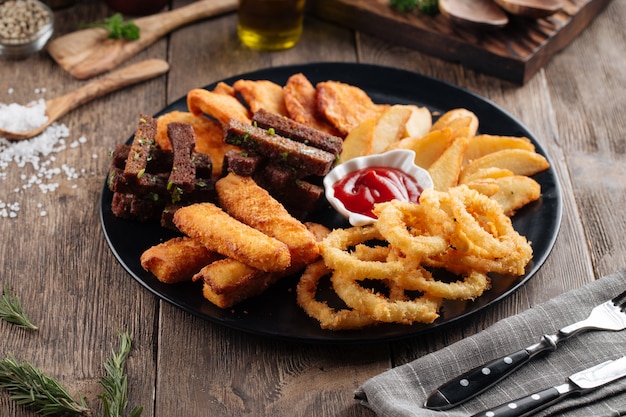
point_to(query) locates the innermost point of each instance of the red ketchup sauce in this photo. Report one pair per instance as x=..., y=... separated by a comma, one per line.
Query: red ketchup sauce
x=361, y=189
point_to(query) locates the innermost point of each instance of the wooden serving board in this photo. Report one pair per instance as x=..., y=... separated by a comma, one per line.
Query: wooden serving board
x=514, y=53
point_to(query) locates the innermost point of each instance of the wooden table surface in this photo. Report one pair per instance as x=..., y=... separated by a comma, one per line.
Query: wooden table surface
x=70, y=283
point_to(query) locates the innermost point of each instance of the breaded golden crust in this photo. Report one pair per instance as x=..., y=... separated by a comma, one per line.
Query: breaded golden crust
x=318, y=230
x=243, y=199
x=222, y=107
x=301, y=104
x=177, y=259
x=345, y=106
x=227, y=282
x=262, y=94
x=222, y=233
x=223, y=88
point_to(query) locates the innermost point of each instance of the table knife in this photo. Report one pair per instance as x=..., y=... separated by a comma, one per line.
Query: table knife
x=580, y=382
x=610, y=315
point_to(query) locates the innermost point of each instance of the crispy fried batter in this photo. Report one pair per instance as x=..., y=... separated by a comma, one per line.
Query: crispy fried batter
x=262, y=94
x=227, y=282
x=345, y=106
x=222, y=233
x=223, y=88
x=222, y=107
x=243, y=199
x=177, y=259
x=301, y=104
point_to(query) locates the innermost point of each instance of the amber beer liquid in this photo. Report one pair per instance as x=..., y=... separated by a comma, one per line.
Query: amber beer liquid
x=270, y=24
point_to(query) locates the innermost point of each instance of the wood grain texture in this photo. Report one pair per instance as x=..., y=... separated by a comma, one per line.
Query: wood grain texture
x=514, y=53
x=72, y=286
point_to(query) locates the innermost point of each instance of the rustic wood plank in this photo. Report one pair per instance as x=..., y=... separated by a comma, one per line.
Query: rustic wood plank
x=514, y=53
x=60, y=264
x=72, y=286
x=591, y=132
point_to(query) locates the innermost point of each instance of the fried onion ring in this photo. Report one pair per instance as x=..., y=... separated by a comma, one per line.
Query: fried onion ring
x=472, y=286
x=334, y=250
x=399, y=223
x=328, y=317
x=422, y=310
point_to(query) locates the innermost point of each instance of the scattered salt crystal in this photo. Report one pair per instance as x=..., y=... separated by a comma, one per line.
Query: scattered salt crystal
x=35, y=157
x=18, y=118
x=10, y=91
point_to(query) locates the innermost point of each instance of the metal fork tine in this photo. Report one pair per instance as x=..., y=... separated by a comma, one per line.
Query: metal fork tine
x=620, y=301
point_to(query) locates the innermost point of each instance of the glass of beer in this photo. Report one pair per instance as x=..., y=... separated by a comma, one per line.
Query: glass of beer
x=270, y=24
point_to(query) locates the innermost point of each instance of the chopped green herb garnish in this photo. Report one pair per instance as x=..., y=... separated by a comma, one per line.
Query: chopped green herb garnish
x=119, y=29
x=429, y=7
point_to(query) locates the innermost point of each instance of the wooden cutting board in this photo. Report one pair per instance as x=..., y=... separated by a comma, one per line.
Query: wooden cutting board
x=514, y=53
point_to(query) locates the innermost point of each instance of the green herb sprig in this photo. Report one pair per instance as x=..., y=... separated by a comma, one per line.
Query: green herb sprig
x=115, y=383
x=118, y=28
x=428, y=7
x=11, y=310
x=30, y=387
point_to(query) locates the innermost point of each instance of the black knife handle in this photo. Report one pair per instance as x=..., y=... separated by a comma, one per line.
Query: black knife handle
x=524, y=406
x=477, y=380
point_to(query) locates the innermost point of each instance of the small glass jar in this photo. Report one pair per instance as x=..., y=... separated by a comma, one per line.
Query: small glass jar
x=20, y=43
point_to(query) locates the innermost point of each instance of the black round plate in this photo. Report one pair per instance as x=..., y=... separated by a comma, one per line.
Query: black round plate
x=275, y=313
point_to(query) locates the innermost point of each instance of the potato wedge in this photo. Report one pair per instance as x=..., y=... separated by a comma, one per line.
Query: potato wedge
x=359, y=141
x=515, y=192
x=481, y=145
x=487, y=173
x=519, y=161
x=486, y=186
x=419, y=122
x=428, y=148
x=445, y=171
x=462, y=121
x=390, y=127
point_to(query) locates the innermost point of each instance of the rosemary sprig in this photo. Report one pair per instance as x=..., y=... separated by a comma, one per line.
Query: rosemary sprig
x=115, y=383
x=30, y=387
x=11, y=310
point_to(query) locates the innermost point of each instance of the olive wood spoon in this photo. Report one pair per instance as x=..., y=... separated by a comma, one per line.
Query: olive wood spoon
x=89, y=52
x=474, y=14
x=60, y=106
x=533, y=9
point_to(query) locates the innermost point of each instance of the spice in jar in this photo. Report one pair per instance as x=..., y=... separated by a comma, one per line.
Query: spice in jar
x=21, y=18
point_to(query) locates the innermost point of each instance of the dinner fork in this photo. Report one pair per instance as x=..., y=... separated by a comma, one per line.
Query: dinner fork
x=610, y=315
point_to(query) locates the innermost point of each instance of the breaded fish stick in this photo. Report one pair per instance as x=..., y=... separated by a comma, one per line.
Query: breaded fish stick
x=227, y=282
x=222, y=233
x=177, y=259
x=246, y=201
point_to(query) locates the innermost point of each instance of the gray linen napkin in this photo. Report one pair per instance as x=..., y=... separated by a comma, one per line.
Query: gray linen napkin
x=401, y=391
